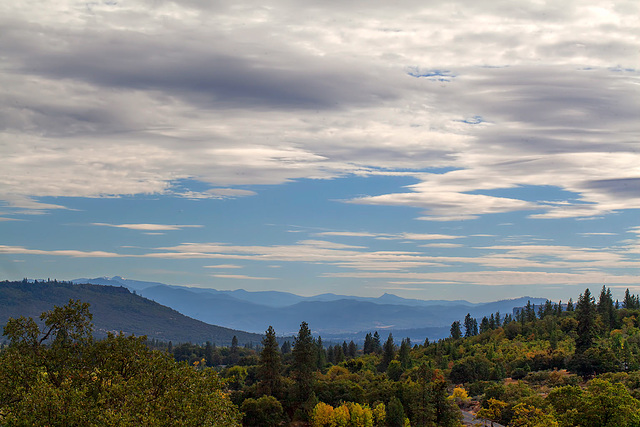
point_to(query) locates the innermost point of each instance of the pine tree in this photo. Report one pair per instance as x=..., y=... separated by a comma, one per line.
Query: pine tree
x=470, y=326
x=322, y=354
x=304, y=362
x=404, y=356
x=388, y=353
x=368, y=344
x=270, y=365
x=484, y=325
x=586, y=316
x=377, y=344
x=353, y=349
x=570, y=305
x=456, y=333
x=606, y=309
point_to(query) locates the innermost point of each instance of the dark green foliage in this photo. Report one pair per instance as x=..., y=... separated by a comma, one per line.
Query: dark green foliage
x=263, y=412
x=58, y=375
x=395, y=413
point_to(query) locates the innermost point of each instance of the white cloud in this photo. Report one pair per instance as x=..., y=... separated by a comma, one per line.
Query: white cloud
x=224, y=266
x=240, y=276
x=148, y=227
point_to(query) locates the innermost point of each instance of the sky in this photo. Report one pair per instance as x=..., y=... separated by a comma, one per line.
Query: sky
x=433, y=150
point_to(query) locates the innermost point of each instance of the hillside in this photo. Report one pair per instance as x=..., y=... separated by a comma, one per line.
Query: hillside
x=114, y=309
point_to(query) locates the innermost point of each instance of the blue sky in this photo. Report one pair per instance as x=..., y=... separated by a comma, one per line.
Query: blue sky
x=432, y=150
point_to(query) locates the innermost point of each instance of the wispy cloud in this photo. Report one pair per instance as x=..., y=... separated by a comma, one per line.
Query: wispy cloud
x=241, y=276
x=224, y=266
x=147, y=227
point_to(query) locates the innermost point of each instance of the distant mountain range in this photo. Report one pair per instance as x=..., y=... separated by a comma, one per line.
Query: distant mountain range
x=335, y=317
x=114, y=309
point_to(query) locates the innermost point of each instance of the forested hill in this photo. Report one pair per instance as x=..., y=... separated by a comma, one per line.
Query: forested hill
x=114, y=309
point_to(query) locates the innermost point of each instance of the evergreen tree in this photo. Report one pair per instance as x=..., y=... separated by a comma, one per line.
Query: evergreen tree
x=338, y=354
x=353, y=349
x=570, y=305
x=377, y=344
x=322, y=354
x=286, y=347
x=404, y=356
x=234, y=355
x=368, y=344
x=395, y=413
x=208, y=353
x=630, y=301
x=456, y=333
x=270, y=367
x=606, y=309
x=388, y=353
x=470, y=326
x=304, y=363
x=485, y=326
x=586, y=317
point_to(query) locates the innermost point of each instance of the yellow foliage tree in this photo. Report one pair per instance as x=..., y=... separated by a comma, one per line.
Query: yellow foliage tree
x=323, y=415
x=494, y=411
x=529, y=416
x=380, y=415
x=360, y=416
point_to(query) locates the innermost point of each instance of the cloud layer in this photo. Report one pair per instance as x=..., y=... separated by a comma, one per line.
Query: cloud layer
x=114, y=99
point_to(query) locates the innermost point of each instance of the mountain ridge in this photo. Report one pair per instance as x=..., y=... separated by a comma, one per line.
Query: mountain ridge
x=326, y=314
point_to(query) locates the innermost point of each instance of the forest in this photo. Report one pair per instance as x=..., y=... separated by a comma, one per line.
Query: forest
x=573, y=364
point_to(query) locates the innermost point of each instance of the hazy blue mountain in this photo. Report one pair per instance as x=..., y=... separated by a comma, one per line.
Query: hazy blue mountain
x=326, y=314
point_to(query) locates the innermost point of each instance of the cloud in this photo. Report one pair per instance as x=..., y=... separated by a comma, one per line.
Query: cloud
x=241, y=276
x=120, y=99
x=19, y=250
x=224, y=266
x=390, y=236
x=147, y=227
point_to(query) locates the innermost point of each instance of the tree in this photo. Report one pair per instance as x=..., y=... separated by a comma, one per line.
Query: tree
x=606, y=309
x=485, y=325
x=630, y=301
x=376, y=343
x=404, y=356
x=570, y=305
x=528, y=416
x=586, y=317
x=304, y=363
x=265, y=411
x=395, y=413
x=368, y=344
x=470, y=326
x=59, y=375
x=388, y=353
x=322, y=354
x=352, y=350
x=456, y=333
x=270, y=365
x=493, y=410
